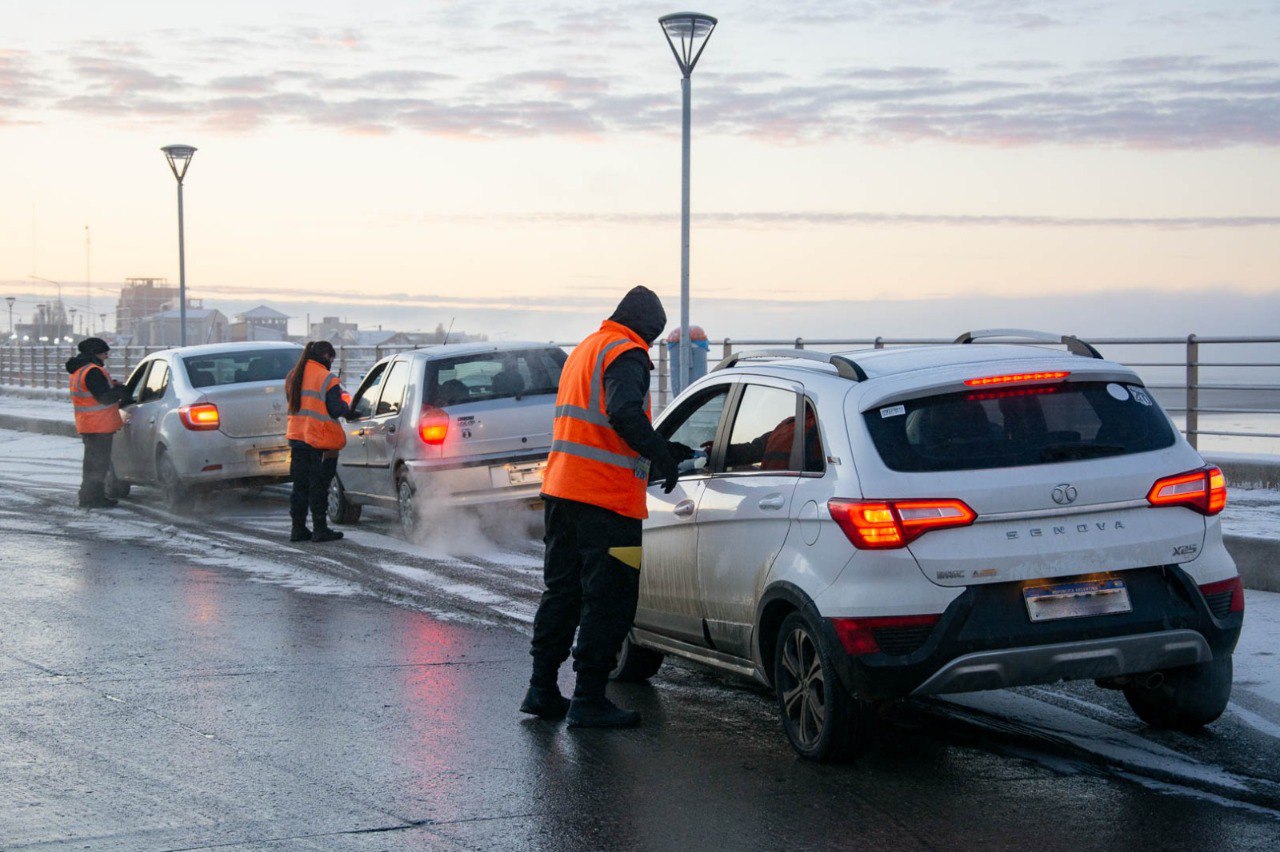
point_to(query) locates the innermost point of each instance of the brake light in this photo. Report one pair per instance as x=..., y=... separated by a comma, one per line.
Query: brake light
x=1234, y=586
x=1018, y=378
x=202, y=417
x=858, y=635
x=887, y=524
x=433, y=425
x=1203, y=491
x=1003, y=394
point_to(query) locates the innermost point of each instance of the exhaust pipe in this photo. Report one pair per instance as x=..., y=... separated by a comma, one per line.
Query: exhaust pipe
x=1152, y=680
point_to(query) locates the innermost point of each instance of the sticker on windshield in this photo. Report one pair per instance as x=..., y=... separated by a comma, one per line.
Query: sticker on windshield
x=1141, y=395
x=893, y=411
x=1117, y=391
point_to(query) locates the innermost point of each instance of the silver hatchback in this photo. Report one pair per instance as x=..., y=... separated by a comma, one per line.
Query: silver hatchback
x=457, y=424
x=205, y=415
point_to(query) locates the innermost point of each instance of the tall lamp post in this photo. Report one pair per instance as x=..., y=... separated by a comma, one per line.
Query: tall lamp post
x=10, y=300
x=179, y=157
x=687, y=34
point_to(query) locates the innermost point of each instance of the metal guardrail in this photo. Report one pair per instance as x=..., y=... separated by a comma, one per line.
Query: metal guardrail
x=1242, y=384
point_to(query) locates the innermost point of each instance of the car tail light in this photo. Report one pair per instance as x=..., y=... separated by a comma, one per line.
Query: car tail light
x=433, y=425
x=1004, y=394
x=1203, y=490
x=886, y=524
x=1214, y=592
x=1018, y=378
x=858, y=635
x=202, y=417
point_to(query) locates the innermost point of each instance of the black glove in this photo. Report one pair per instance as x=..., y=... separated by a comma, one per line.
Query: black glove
x=666, y=469
x=679, y=452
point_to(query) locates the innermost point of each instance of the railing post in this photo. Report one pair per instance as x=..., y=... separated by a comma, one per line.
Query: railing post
x=662, y=376
x=726, y=349
x=342, y=362
x=44, y=366
x=799, y=342
x=879, y=343
x=1193, y=391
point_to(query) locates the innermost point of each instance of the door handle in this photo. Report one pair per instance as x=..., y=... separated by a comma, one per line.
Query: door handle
x=683, y=509
x=391, y=429
x=773, y=501
x=359, y=433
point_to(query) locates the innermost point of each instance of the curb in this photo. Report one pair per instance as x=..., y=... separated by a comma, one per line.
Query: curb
x=65, y=428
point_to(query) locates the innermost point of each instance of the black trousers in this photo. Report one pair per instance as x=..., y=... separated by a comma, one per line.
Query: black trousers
x=97, y=461
x=312, y=474
x=588, y=589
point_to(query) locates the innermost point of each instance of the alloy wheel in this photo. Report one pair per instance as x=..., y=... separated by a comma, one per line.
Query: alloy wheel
x=803, y=688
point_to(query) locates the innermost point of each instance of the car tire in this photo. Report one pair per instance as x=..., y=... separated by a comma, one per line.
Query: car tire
x=635, y=663
x=176, y=495
x=823, y=722
x=342, y=510
x=1187, y=698
x=410, y=518
x=116, y=489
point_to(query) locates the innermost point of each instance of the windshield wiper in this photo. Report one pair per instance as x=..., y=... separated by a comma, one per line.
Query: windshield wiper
x=1078, y=450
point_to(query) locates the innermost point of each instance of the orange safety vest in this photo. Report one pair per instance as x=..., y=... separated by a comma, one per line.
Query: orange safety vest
x=589, y=461
x=311, y=423
x=93, y=418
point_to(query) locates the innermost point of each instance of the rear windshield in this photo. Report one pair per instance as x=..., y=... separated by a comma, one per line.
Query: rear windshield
x=233, y=368
x=975, y=430
x=493, y=375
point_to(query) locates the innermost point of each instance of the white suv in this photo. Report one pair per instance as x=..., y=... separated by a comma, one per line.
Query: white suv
x=947, y=519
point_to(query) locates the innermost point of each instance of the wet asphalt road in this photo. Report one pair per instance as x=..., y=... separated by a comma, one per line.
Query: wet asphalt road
x=190, y=683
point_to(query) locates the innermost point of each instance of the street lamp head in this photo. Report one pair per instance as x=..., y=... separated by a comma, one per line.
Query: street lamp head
x=179, y=157
x=687, y=33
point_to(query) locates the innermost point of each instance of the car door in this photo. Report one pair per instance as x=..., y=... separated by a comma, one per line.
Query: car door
x=147, y=413
x=122, y=454
x=384, y=430
x=669, y=595
x=744, y=513
x=353, y=461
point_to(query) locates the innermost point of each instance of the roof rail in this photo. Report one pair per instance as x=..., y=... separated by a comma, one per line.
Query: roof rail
x=1074, y=345
x=845, y=367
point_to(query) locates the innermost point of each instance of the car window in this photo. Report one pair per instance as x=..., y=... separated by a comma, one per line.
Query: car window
x=764, y=431
x=233, y=368
x=136, y=377
x=393, y=390
x=157, y=382
x=367, y=396
x=695, y=422
x=815, y=457
x=493, y=375
x=976, y=430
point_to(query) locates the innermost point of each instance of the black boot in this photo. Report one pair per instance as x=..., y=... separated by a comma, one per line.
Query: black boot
x=300, y=532
x=600, y=712
x=324, y=533
x=545, y=703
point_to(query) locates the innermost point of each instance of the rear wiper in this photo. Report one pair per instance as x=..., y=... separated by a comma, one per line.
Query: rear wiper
x=1078, y=450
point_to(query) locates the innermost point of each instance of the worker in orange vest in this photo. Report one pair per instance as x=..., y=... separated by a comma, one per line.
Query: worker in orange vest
x=602, y=448
x=97, y=399
x=316, y=401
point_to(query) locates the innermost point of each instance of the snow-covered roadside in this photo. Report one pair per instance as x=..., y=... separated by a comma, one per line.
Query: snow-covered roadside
x=36, y=407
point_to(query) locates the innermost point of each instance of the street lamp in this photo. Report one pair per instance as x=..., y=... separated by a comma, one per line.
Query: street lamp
x=687, y=34
x=10, y=300
x=179, y=157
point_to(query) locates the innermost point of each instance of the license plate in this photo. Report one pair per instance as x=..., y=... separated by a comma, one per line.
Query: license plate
x=524, y=474
x=279, y=456
x=1077, y=600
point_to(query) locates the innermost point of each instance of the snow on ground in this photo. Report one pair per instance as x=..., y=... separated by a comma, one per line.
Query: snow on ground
x=34, y=408
x=1253, y=513
x=1257, y=658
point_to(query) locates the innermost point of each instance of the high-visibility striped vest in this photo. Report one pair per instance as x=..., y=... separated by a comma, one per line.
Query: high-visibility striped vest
x=311, y=423
x=92, y=417
x=589, y=461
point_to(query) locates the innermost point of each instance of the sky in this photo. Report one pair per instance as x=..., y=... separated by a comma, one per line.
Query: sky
x=859, y=168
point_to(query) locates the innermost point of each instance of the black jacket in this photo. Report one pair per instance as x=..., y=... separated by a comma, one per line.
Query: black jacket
x=626, y=381
x=96, y=382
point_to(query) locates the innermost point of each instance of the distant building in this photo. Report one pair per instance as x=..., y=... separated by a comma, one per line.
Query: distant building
x=49, y=325
x=331, y=329
x=261, y=323
x=142, y=298
x=162, y=329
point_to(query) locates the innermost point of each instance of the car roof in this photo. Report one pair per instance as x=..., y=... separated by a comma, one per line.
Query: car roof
x=450, y=350
x=227, y=348
x=886, y=362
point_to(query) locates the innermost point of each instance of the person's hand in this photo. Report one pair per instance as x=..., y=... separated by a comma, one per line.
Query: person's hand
x=666, y=469
x=679, y=452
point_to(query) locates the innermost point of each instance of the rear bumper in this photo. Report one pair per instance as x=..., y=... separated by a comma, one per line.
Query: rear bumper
x=985, y=640
x=486, y=480
x=216, y=458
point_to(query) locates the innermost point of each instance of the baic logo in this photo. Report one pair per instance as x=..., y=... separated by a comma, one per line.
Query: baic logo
x=1065, y=494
